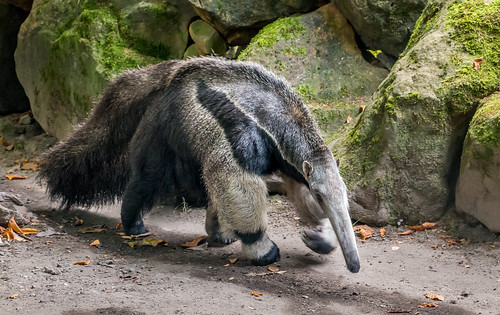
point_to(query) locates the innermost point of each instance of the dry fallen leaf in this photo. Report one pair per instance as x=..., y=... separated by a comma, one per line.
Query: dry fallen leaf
x=434, y=247
x=78, y=221
x=233, y=260
x=194, y=242
x=427, y=304
x=82, y=263
x=96, y=243
x=273, y=269
x=424, y=226
x=30, y=166
x=364, y=230
x=130, y=237
x=147, y=242
x=382, y=232
x=14, y=177
x=119, y=226
x=29, y=230
x=91, y=229
x=10, y=235
x=406, y=232
x=13, y=225
x=362, y=108
x=257, y=293
x=348, y=119
x=428, y=225
x=434, y=296
x=13, y=297
x=449, y=239
x=477, y=63
x=399, y=311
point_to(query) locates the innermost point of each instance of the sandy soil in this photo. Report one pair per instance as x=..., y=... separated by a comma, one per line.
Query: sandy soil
x=396, y=271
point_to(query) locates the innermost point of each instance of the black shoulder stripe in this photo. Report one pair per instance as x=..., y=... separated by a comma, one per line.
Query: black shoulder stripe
x=251, y=146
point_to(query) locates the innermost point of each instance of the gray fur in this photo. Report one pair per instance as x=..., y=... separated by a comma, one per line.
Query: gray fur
x=207, y=129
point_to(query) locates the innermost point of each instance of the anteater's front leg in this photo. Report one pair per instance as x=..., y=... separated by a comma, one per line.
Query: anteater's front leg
x=238, y=199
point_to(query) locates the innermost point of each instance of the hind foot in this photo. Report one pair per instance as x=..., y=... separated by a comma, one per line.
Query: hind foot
x=137, y=228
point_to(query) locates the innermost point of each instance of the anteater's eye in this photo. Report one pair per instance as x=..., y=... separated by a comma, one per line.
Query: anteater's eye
x=319, y=198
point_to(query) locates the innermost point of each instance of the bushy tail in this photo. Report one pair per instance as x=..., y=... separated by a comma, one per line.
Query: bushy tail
x=91, y=167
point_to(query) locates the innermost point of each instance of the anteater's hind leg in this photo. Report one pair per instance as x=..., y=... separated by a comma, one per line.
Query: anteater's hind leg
x=148, y=176
x=138, y=199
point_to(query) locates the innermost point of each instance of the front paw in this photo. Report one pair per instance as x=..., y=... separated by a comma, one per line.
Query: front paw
x=316, y=240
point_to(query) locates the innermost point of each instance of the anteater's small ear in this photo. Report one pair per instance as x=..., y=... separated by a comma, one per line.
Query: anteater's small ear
x=307, y=169
x=338, y=162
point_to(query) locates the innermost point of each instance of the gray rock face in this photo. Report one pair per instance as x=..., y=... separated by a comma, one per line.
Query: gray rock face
x=478, y=187
x=69, y=50
x=383, y=24
x=239, y=20
x=12, y=98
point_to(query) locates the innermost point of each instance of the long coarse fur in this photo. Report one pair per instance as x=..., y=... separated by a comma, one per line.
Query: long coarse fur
x=144, y=114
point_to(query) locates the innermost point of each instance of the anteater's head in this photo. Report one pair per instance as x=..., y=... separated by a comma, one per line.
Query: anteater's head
x=329, y=191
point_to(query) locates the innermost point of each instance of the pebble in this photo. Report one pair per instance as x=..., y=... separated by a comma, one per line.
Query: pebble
x=466, y=292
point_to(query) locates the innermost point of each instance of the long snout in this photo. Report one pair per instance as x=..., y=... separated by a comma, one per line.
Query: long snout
x=341, y=223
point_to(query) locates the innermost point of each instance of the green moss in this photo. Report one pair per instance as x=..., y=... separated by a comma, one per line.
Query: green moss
x=97, y=27
x=476, y=26
x=485, y=126
x=425, y=22
x=285, y=28
x=412, y=57
x=306, y=92
x=294, y=51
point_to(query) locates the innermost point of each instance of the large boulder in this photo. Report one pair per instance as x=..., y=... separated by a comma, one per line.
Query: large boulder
x=401, y=158
x=239, y=20
x=318, y=55
x=12, y=99
x=384, y=25
x=68, y=51
x=478, y=187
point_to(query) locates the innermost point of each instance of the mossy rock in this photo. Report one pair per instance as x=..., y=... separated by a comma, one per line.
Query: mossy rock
x=239, y=20
x=318, y=55
x=68, y=51
x=402, y=157
x=478, y=187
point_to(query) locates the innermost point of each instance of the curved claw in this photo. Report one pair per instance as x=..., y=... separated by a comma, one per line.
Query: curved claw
x=218, y=240
x=321, y=239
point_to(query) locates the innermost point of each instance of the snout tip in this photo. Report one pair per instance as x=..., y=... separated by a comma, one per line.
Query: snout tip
x=354, y=266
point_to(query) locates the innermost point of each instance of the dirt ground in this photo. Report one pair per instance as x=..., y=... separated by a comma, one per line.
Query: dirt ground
x=40, y=276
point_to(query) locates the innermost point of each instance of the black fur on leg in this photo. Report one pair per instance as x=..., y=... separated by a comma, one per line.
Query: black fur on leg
x=249, y=238
x=272, y=256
